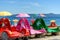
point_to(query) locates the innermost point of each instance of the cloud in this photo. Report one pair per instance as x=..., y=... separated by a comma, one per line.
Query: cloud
x=31, y=4
x=35, y=4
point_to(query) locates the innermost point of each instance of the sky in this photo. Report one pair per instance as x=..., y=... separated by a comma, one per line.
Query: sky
x=30, y=6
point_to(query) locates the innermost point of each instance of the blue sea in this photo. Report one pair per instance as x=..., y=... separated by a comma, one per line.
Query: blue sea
x=47, y=18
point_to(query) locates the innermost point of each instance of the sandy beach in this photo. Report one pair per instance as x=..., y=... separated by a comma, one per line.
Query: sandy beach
x=48, y=38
